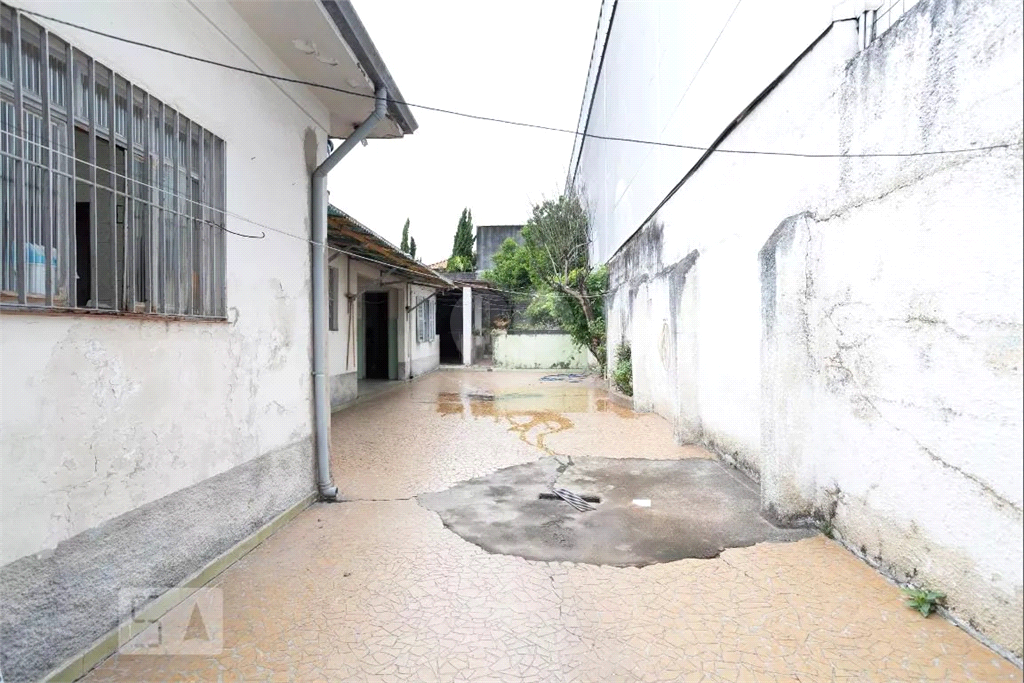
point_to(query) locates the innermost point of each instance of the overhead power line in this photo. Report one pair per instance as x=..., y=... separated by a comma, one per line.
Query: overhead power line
x=509, y=122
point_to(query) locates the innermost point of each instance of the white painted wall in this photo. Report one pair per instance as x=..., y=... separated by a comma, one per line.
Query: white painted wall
x=882, y=376
x=103, y=415
x=647, y=90
x=355, y=278
x=538, y=350
x=339, y=360
x=424, y=356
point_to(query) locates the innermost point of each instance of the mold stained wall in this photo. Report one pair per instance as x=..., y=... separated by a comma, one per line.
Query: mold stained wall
x=849, y=330
x=103, y=415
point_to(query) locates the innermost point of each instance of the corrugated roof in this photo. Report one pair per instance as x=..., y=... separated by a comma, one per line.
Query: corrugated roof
x=352, y=237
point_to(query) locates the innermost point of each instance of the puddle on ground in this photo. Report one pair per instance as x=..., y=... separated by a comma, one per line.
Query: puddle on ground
x=520, y=411
x=529, y=413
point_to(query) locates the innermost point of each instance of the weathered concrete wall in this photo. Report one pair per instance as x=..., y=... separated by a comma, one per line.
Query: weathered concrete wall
x=110, y=423
x=850, y=329
x=538, y=350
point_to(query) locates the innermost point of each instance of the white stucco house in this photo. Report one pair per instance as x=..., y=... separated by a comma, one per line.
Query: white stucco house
x=164, y=299
x=818, y=279
x=382, y=323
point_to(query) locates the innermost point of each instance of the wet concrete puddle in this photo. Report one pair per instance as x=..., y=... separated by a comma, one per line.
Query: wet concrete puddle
x=606, y=511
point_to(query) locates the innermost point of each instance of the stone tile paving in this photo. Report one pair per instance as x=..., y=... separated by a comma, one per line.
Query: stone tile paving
x=380, y=591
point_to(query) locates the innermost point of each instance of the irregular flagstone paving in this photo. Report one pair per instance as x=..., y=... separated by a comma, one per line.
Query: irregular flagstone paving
x=381, y=591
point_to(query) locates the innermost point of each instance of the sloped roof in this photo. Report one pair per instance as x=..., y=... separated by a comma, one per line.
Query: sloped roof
x=348, y=235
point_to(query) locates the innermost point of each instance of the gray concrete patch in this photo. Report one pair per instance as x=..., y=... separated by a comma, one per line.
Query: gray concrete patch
x=698, y=508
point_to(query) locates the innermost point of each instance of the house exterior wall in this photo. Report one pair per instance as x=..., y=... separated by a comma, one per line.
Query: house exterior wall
x=136, y=450
x=849, y=330
x=344, y=346
x=341, y=356
x=424, y=356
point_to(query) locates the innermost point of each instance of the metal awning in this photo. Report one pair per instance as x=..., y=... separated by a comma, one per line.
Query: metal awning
x=347, y=235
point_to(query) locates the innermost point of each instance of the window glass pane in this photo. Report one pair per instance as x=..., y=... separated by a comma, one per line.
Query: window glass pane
x=121, y=108
x=102, y=97
x=139, y=119
x=8, y=148
x=60, y=208
x=142, y=213
x=6, y=45
x=31, y=59
x=82, y=97
x=33, y=208
x=58, y=73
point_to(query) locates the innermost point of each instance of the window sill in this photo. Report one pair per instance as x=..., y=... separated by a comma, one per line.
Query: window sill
x=30, y=309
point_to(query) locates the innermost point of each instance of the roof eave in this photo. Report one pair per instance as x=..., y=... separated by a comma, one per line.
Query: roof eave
x=354, y=33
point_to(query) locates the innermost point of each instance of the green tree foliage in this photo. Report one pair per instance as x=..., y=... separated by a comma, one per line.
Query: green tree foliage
x=512, y=268
x=412, y=247
x=404, y=246
x=463, y=259
x=554, y=263
x=622, y=374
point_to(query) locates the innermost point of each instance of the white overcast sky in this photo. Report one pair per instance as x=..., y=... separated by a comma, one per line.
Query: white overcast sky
x=523, y=60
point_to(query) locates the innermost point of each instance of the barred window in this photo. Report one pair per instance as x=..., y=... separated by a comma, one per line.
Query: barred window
x=425, y=323
x=431, y=323
x=110, y=199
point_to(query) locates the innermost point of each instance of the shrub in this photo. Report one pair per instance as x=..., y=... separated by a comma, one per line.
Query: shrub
x=622, y=375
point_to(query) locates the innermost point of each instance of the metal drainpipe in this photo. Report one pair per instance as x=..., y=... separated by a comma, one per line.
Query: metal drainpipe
x=321, y=405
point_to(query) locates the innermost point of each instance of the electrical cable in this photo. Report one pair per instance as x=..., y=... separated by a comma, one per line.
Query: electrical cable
x=171, y=195
x=509, y=122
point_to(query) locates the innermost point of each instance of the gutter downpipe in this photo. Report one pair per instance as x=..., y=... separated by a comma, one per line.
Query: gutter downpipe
x=318, y=192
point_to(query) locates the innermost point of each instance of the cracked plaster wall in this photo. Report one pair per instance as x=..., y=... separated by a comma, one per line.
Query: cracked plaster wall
x=104, y=416
x=850, y=330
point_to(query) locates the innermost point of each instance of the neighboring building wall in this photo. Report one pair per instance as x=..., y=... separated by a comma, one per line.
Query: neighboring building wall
x=850, y=330
x=489, y=239
x=683, y=98
x=136, y=450
x=539, y=350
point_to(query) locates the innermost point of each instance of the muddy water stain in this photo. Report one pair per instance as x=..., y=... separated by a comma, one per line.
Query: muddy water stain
x=521, y=419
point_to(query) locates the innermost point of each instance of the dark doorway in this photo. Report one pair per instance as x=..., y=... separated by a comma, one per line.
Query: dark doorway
x=83, y=254
x=375, y=307
x=449, y=324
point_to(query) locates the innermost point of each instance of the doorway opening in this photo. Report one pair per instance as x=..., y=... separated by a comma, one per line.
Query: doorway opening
x=377, y=342
x=449, y=326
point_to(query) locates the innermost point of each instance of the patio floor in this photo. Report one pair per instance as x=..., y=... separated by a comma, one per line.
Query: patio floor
x=378, y=589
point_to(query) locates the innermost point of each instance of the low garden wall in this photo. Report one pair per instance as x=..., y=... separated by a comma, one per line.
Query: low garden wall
x=539, y=349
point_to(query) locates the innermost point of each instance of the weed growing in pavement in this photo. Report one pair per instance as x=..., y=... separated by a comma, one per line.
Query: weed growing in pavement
x=924, y=601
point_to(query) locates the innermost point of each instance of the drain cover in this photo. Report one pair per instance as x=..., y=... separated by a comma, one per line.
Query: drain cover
x=554, y=496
